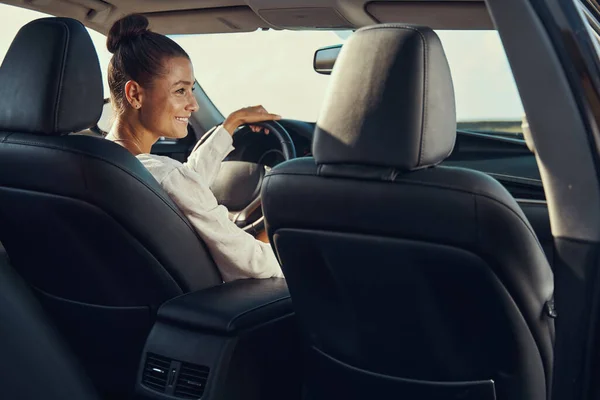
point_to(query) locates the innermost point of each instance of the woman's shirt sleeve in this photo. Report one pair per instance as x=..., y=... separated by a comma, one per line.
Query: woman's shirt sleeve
x=237, y=253
x=208, y=154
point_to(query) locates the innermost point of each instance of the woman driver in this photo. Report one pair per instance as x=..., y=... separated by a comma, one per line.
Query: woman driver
x=151, y=81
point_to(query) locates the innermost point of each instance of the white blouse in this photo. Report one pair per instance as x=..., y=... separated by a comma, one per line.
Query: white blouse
x=237, y=254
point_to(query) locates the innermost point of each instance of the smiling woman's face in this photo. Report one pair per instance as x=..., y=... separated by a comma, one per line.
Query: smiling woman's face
x=169, y=102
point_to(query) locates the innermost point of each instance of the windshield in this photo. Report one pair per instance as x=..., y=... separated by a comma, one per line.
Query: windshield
x=274, y=68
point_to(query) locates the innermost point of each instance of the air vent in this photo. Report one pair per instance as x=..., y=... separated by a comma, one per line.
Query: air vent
x=191, y=381
x=156, y=372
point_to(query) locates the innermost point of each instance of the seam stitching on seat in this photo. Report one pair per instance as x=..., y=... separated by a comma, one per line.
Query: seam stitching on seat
x=437, y=185
x=73, y=151
x=171, y=276
x=507, y=288
x=425, y=79
x=425, y=100
x=62, y=75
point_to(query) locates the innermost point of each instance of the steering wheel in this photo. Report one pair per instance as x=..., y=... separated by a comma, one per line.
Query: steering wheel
x=238, y=184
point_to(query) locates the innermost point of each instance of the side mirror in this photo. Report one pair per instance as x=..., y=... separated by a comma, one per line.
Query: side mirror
x=325, y=59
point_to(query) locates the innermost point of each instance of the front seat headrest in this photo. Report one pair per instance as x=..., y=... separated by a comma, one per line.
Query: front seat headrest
x=50, y=80
x=390, y=101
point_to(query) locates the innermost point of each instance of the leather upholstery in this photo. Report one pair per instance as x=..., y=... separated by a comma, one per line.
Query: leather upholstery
x=81, y=219
x=392, y=108
x=36, y=363
x=231, y=307
x=433, y=275
x=50, y=81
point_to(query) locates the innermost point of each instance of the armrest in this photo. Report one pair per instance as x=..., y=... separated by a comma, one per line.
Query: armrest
x=230, y=307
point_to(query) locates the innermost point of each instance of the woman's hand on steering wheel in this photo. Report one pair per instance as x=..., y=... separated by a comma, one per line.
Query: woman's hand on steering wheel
x=239, y=182
x=248, y=116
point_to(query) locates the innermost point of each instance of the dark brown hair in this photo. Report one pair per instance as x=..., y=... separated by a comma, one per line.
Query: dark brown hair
x=138, y=54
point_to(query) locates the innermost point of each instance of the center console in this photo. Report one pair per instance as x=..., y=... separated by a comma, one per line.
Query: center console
x=238, y=340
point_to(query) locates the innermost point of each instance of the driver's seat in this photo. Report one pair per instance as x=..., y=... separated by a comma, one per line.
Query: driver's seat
x=81, y=219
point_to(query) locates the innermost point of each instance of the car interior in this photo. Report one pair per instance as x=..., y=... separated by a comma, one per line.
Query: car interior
x=110, y=293
x=458, y=248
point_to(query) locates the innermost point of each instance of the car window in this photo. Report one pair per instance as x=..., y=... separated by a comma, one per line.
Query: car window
x=13, y=18
x=274, y=68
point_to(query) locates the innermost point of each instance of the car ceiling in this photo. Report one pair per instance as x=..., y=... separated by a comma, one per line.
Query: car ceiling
x=217, y=16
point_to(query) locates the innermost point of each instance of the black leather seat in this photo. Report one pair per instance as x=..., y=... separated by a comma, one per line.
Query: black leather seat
x=36, y=363
x=81, y=219
x=412, y=281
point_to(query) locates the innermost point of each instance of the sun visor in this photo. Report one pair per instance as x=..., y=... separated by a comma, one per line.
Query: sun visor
x=434, y=14
x=214, y=20
x=313, y=17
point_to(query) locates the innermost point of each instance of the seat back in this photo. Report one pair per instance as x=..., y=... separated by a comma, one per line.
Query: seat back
x=36, y=363
x=410, y=280
x=81, y=219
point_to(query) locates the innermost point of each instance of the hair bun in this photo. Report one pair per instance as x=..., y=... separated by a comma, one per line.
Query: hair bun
x=125, y=29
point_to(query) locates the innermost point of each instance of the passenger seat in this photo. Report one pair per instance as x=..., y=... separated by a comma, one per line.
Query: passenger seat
x=412, y=280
